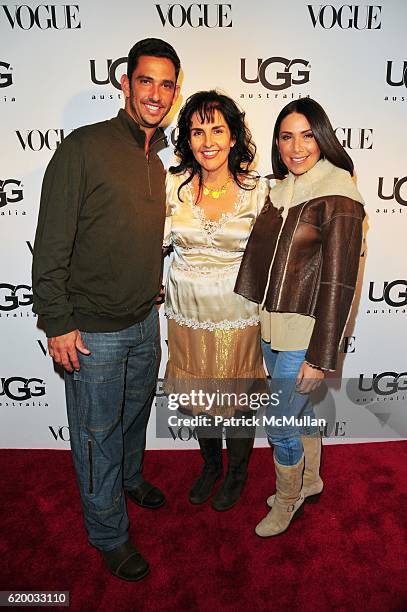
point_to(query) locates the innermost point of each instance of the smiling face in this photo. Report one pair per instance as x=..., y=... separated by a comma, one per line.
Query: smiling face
x=210, y=143
x=151, y=92
x=297, y=145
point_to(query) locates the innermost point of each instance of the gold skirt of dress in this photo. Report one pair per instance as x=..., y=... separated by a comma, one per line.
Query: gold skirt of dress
x=227, y=360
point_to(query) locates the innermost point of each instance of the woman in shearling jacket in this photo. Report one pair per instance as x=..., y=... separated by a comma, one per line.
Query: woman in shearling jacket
x=301, y=265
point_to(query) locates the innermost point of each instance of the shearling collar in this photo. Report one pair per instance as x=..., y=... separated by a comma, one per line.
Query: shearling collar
x=323, y=179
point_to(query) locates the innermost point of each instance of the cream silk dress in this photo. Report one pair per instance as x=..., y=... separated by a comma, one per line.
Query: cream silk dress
x=212, y=332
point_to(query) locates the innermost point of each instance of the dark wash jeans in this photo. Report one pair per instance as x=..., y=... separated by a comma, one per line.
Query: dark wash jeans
x=108, y=404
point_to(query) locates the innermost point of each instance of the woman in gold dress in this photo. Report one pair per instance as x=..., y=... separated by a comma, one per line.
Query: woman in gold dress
x=213, y=200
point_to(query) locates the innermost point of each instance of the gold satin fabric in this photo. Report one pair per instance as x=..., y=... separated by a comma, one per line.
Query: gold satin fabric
x=222, y=353
x=218, y=360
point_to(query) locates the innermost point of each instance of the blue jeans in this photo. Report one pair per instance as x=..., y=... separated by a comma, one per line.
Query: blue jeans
x=108, y=404
x=283, y=367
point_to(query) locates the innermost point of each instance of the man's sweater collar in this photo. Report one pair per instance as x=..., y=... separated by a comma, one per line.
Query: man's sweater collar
x=134, y=131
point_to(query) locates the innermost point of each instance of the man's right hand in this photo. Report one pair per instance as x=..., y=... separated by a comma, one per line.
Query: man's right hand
x=63, y=350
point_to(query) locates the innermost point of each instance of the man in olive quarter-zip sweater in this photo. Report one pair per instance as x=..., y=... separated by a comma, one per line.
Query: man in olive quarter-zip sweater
x=96, y=274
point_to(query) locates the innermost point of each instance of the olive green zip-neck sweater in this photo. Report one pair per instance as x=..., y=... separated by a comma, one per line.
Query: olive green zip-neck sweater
x=98, y=247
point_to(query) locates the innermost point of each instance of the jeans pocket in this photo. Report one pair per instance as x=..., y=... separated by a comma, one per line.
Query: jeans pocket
x=99, y=393
x=92, y=372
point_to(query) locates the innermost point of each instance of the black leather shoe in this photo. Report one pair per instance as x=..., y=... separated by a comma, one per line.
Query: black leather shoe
x=147, y=495
x=126, y=562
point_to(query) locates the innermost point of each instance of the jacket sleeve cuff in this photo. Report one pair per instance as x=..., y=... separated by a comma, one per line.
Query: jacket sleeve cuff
x=57, y=326
x=324, y=356
x=318, y=367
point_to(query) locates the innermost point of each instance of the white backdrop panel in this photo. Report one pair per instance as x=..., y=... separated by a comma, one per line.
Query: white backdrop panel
x=54, y=77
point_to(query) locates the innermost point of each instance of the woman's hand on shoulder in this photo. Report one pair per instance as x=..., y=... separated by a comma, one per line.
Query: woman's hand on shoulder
x=309, y=378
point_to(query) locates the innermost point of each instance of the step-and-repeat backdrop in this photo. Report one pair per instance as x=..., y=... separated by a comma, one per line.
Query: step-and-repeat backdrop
x=60, y=66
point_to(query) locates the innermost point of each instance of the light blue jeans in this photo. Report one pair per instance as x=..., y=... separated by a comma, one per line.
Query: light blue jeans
x=283, y=367
x=108, y=404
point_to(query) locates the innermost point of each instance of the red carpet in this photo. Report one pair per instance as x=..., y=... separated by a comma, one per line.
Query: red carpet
x=348, y=552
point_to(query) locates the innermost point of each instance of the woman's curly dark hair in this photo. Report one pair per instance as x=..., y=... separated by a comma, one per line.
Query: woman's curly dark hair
x=241, y=155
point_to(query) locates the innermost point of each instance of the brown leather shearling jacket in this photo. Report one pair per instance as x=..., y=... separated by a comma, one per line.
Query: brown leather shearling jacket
x=313, y=269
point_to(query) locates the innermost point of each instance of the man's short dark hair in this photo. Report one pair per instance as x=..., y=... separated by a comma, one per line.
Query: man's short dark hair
x=154, y=47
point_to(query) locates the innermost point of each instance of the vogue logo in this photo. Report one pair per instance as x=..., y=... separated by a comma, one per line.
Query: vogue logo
x=336, y=430
x=396, y=190
x=8, y=194
x=346, y=17
x=60, y=432
x=6, y=78
x=277, y=73
x=349, y=344
x=386, y=383
x=111, y=75
x=14, y=296
x=43, y=347
x=401, y=72
x=43, y=16
x=394, y=293
x=21, y=389
x=37, y=140
x=196, y=15
x=355, y=138
x=183, y=433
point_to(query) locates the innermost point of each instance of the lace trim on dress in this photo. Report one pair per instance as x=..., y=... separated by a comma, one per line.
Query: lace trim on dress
x=211, y=227
x=204, y=270
x=210, y=325
x=209, y=249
